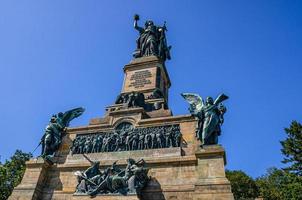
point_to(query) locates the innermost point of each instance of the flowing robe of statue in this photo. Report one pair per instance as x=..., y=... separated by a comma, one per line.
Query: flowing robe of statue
x=210, y=116
x=211, y=124
x=51, y=138
x=147, y=41
x=152, y=41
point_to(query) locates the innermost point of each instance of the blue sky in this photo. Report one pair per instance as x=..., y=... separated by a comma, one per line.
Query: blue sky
x=57, y=55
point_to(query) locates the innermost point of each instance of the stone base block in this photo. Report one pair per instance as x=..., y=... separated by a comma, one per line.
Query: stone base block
x=106, y=197
x=110, y=157
x=173, y=176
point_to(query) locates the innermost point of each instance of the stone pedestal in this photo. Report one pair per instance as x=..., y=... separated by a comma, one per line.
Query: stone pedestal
x=33, y=181
x=145, y=75
x=174, y=176
x=182, y=172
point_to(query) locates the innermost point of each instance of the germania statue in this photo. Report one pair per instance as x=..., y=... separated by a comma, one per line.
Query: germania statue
x=152, y=40
x=209, y=114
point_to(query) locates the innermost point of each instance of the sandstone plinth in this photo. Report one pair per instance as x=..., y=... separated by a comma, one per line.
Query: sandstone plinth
x=184, y=172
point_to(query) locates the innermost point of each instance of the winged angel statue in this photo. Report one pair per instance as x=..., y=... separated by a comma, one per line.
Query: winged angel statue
x=210, y=116
x=53, y=134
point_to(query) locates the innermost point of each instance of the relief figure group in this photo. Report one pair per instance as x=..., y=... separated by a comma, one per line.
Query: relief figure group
x=128, y=140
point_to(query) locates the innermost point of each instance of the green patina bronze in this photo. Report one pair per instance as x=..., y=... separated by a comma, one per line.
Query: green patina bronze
x=209, y=115
x=152, y=40
x=53, y=134
x=113, y=180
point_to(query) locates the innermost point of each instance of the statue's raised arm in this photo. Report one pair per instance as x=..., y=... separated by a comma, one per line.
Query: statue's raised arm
x=136, y=18
x=151, y=41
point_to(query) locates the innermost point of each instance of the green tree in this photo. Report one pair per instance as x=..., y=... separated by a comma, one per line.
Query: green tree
x=278, y=184
x=243, y=186
x=292, y=148
x=11, y=173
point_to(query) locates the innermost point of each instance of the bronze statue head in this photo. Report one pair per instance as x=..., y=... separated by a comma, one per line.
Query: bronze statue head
x=149, y=23
x=53, y=119
x=209, y=101
x=130, y=161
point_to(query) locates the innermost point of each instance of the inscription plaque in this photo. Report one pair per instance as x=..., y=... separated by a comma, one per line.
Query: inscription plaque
x=140, y=78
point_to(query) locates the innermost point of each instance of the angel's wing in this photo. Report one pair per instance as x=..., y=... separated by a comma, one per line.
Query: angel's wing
x=194, y=100
x=220, y=99
x=71, y=114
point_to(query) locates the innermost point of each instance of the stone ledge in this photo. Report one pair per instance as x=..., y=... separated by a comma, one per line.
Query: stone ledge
x=161, y=100
x=167, y=120
x=167, y=161
x=170, y=188
x=212, y=181
x=100, y=120
x=159, y=113
x=144, y=59
x=107, y=195
x=207, y=188
x=210, y=151
x=148, y=189
x=21, y=188
x=126, y=111
x=84, y=129
x=103, y=197
x=150, y=121
x=36, y=163
x=123, y=155
x=143, y=63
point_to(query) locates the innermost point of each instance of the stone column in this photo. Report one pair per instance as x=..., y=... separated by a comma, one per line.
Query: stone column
x=33, y=180
x=212, y=182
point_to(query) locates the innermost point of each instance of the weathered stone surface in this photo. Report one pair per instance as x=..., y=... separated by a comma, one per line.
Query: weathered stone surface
x=187, y=172
x=198, y=176
x=146, y=74
x=110, y=157
x=33, y=180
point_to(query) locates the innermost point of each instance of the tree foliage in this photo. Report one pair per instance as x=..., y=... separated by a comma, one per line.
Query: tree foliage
x=278, y=184
x=292, y=148
x=243, y=186
x=11, y=173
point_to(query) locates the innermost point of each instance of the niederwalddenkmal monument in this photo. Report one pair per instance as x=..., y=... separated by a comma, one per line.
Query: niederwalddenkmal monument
x=139, y=149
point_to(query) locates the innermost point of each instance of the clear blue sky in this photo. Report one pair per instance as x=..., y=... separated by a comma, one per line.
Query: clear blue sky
x=56, y=55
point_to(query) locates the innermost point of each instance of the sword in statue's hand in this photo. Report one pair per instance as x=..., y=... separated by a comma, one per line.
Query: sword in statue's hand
x=36, y=147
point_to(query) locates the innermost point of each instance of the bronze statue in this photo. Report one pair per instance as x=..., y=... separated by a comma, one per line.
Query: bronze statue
x=92, y=181
x=127, y=138
x=52, y=137
x=152, y=40
x=209, y=114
